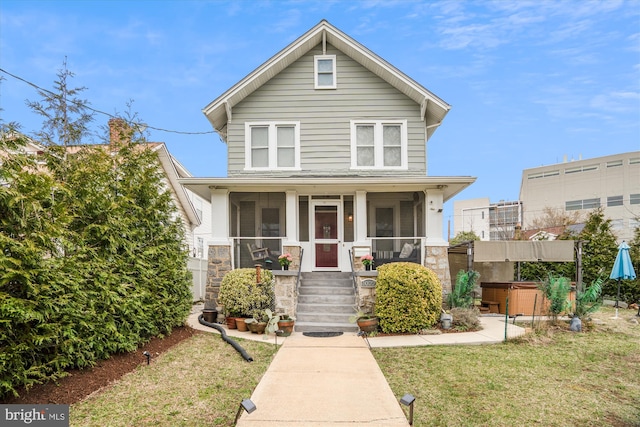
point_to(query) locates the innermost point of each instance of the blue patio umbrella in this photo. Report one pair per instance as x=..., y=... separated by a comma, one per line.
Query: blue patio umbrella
x=622, y=268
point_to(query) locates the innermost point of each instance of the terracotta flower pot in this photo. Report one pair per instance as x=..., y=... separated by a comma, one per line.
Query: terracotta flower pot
x=286, y=326
x=368, y=325
x=242, y=327
x=231, y=323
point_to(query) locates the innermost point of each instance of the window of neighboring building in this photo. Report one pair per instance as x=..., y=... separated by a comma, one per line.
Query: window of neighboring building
x=590, y=203
x=272, y=145
x=614, y=163
x=577, y=169
x=634, y=199
x=614, y=201
x=379, y=144
x=546, y=174
x=634, y=161
x=574, y=205
x=200, y=249
x=325, y=72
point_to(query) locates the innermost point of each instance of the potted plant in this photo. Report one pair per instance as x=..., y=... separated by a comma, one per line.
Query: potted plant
x=366, y=322
x=286, y=324
x=285, y=260
x=241, y=293
x=367, y=261
x=272, y=322
x=254, y=326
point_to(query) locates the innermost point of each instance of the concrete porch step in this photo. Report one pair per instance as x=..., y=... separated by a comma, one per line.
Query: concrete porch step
x=325, y=327
x=324, y=317
x=326, y=301
x=325, y=290
x=319, y=307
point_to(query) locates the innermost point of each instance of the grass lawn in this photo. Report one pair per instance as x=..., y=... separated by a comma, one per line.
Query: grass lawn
x=199, y=382
x=550, y=378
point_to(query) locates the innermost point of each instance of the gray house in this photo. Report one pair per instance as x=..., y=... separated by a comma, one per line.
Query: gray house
x=327, y=161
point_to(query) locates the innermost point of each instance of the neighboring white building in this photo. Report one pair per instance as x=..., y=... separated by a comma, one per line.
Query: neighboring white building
x=489, y=221
x=611, y=182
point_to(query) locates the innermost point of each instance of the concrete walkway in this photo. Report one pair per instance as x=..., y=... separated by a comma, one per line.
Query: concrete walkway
x=336, y=381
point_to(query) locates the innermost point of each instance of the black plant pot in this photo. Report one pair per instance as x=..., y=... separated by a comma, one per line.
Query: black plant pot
x=210, y=316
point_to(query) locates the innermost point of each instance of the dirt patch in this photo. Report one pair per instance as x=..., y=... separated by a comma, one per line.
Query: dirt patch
x=81, y=383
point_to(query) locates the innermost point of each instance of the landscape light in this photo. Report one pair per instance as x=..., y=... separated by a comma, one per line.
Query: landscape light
x=408, y=400
x=248, y=406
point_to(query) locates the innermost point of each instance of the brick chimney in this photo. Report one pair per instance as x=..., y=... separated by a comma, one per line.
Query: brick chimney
x=119, y=131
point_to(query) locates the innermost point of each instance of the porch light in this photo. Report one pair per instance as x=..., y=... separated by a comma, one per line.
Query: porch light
x=248, y=406
x=350, y=217
x=408, y=400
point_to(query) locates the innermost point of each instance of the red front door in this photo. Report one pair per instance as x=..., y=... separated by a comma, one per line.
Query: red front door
x=326, y=235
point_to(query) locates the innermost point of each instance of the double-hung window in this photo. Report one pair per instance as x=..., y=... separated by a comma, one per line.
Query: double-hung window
x=379, y=144
x=325, y=72
x=272, y=145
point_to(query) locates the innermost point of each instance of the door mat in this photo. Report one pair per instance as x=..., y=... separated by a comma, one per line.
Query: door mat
x=322, y=334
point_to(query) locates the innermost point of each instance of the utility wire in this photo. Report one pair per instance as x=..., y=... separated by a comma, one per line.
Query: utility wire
x=99, y=111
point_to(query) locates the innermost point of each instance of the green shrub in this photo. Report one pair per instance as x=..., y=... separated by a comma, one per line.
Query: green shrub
x=408, y=297
x=589, y=300
x=242, y=296
x=462, y=294
x=556, y=291
x=465, y=318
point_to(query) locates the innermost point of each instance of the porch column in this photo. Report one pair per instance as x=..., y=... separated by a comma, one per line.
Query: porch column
x=434, y=205
x=219, y=262
x=291, y=215
x=436, y=256
x=360, y=219
x=219, y=216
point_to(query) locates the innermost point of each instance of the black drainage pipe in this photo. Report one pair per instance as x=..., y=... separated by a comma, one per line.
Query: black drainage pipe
x=223, y=333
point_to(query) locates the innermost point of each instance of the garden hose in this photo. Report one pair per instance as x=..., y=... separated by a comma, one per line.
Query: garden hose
x=223, y=333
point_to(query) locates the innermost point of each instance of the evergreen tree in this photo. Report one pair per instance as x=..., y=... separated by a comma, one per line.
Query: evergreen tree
x=463, y=236
x=599, y=250
x=92, y=259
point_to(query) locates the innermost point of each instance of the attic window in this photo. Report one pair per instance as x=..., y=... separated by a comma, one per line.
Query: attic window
x=325, y=71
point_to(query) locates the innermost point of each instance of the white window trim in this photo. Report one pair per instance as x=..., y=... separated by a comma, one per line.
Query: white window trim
x=273, y=148
x=378, y=148
x=316, y=58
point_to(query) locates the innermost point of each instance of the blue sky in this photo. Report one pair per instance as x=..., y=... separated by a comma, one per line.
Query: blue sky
x=529, y=81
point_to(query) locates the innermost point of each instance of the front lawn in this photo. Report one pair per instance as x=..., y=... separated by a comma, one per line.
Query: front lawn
x=553, y=378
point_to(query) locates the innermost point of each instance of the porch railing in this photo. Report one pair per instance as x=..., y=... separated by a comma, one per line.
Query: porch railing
x=353, y=278
x=299, y=273
x=249, y=251
x=397, y=249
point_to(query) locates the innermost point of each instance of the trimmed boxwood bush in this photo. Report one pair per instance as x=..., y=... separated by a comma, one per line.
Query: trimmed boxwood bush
x=242, y=296
x=408, y=297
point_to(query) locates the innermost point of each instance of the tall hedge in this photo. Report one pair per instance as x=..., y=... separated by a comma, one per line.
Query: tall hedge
x=91, y=258
x=408, y=297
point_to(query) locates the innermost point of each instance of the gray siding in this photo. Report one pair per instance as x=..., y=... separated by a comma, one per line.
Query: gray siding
x=325, y=117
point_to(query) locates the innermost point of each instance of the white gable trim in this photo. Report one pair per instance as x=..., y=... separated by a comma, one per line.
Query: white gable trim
x=217, y=112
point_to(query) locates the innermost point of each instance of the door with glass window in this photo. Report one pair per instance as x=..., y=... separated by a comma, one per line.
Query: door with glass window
x=327, y=235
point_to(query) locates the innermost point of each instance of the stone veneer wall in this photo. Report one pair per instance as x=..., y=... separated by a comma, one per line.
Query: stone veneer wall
x=437, y=259
x=285, y=286
x=285, y=292
x=219, y=265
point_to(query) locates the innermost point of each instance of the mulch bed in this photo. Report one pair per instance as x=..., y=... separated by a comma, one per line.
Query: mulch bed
x=81, y=383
